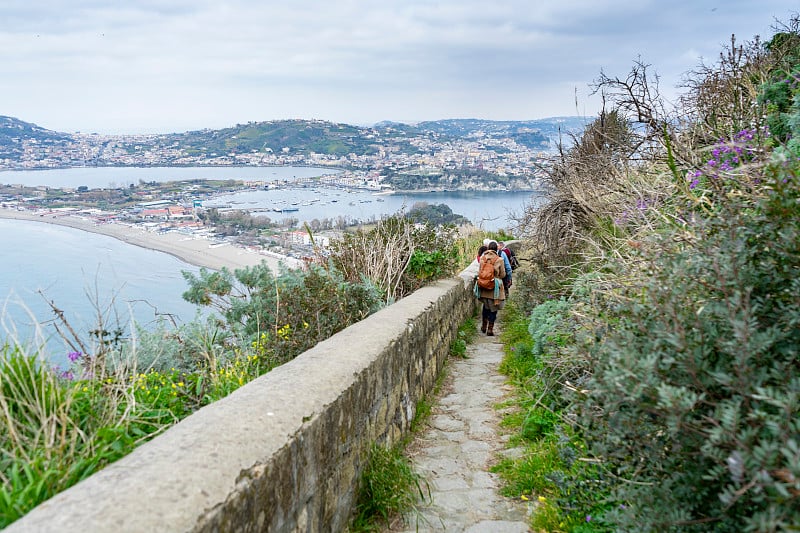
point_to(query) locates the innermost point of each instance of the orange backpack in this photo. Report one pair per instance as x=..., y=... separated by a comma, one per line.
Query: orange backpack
x=486, y=271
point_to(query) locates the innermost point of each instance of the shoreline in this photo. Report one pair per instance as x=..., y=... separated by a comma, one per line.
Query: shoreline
x=192, y=250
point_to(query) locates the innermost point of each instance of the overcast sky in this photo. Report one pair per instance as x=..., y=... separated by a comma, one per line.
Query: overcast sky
x=140, y=66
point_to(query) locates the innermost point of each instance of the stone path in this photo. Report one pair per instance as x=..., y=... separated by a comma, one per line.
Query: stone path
x=459, y=444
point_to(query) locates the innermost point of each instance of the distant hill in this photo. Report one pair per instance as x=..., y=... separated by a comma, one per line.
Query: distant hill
x=535, y=134
x=11, y=127
x=296, y=137
x=13, y=131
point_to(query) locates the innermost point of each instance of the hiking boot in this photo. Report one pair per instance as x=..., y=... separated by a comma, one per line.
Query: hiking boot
x=483, y=326
x=490, y=330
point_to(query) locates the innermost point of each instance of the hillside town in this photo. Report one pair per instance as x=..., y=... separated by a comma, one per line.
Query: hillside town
x=419, y=160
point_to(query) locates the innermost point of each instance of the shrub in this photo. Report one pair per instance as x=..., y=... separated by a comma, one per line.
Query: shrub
x=545, y=323
x=396, y=255
x=295, y=310
x=694, y=400
x=187, y=347
x=679, y=353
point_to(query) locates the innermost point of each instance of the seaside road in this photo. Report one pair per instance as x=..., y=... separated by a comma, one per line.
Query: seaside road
x=461, y=441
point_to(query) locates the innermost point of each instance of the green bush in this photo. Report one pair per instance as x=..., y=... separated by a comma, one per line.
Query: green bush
x=694, y=400
x=780, y=96
x=295, y=309
x=426, y=266
x=546, y=324
x=165, y=347
x=676, y=359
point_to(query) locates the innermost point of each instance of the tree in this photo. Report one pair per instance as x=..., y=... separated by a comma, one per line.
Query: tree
x=295, y=309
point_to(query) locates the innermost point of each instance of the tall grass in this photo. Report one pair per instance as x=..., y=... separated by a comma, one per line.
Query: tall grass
x=56, y=432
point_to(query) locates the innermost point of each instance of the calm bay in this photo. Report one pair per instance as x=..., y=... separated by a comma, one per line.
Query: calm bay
x=82, y=273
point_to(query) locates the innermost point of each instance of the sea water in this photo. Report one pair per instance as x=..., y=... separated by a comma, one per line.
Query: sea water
x=489, y=210
x=113, y=177
x=82, y=274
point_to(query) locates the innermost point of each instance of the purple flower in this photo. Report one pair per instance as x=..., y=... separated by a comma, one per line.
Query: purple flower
x=74, y=356
x=745, y=135
x=620, y=220
x=588, y=518
x=68, y=375
x=695, y=182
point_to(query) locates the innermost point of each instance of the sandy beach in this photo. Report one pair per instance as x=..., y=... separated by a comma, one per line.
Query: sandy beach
x=193, y=250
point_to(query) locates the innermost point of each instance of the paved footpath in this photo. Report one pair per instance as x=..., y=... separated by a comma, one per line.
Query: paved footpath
x=461, y=441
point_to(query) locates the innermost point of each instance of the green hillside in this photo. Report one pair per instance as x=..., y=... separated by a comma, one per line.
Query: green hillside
x=298, y=136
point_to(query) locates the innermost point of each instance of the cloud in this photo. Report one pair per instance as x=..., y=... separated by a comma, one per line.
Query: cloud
x=167, y=66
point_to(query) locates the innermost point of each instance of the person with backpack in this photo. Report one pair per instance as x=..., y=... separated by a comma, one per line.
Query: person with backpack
x=507, y=256
x=512, y=257
x=489, y=288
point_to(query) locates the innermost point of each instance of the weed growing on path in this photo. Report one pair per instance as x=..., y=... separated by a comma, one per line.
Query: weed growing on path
x=389, y=487
x=466, y=334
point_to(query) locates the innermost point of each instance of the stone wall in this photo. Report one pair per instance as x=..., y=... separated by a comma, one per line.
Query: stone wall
x=284, y=452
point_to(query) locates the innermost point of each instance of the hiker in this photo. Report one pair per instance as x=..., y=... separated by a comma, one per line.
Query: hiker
x=509, y=260
x=505, y=257
x=489, y=287
x=482, y=249
x=512, y=257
